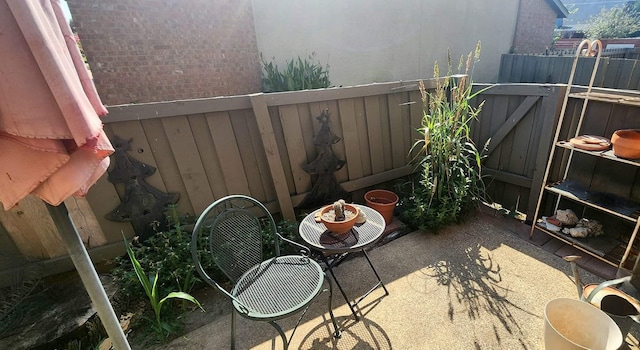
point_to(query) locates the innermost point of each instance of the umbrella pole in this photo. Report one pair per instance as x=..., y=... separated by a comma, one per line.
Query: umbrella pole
x=88, y=274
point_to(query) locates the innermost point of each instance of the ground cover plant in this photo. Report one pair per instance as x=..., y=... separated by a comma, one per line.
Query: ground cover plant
x=162, y=265
x=161, y=327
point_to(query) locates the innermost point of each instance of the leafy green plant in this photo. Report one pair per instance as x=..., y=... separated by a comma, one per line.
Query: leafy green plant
x=450, y=181
x=288, y=230
x=162, y=328
x=298, y=74
x=168, y=253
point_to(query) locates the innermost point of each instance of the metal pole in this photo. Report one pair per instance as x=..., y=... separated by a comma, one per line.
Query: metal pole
x=88, y=274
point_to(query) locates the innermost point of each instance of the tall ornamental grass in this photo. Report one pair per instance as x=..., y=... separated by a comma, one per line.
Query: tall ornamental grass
x=451, y=181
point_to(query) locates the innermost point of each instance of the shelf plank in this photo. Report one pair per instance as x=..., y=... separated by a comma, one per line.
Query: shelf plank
x=608, y=97
x=602, y=247
x=608, y=154
x=621, y=207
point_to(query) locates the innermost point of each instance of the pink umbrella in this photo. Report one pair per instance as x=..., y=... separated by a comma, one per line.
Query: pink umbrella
x=51, y=138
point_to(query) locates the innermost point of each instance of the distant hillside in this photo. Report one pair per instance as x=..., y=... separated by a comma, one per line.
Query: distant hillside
x=587, y=8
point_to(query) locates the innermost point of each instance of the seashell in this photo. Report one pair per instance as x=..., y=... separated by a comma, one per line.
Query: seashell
x=593, y=227
x=567, y=217
x=553, y=221
x=577, y=232
x=551, y=224
x=362, y=217
x=552, y=227
x=585, y=228
x=591, y=143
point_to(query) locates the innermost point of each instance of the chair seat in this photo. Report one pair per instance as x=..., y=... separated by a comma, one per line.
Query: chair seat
x=278, y=287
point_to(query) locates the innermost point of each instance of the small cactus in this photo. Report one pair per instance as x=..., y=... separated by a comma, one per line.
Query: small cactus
x=338, y=209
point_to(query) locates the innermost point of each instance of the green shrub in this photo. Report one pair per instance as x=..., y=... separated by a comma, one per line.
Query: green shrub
x=288, y=230
x=160, y=326
x=168, y=253
x=299, y=75
x=170, y=271
x=450, y=181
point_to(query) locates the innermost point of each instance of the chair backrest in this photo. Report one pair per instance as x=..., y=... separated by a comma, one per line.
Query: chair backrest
x=230, y=234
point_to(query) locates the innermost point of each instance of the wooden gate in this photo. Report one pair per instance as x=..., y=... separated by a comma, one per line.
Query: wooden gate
x=517, y=124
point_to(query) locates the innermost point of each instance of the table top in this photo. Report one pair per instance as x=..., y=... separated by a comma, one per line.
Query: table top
x=359, y=237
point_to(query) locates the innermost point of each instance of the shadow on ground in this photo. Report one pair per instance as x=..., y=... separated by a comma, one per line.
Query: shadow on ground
x=473, y=279
x=473, y=286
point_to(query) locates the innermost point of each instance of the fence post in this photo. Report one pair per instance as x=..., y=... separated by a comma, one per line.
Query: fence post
x=260, y=110
x=550, y=111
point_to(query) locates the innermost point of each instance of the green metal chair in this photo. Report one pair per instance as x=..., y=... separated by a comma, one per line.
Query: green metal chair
x=230, y=232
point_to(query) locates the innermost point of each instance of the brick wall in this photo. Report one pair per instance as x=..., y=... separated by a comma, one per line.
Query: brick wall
x=160, y=50
x=534, y=28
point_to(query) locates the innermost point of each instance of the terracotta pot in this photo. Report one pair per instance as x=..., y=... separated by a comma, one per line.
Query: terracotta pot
x=383, y=202
x=339, y=227
x=626, y=143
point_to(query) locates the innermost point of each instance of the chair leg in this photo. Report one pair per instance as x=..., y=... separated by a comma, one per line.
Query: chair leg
x=336, y=333
x=233, y=329
x=282, y=335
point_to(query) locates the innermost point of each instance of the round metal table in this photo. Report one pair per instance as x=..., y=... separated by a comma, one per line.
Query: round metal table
x=361, y=236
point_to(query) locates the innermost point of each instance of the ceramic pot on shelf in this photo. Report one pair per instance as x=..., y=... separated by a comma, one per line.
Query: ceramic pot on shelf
x=626, y=143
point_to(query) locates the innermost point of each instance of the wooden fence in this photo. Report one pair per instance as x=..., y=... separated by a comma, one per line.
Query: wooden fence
x=257, y=144
x=204, y=149
x=518, y=122
x=616, y=73
x=630, y=53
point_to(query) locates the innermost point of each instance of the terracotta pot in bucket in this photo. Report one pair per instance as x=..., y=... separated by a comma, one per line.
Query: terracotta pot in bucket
x=383, y=202
x=621, y=307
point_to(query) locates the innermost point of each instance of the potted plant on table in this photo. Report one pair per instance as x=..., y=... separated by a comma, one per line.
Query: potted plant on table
x=340, y=217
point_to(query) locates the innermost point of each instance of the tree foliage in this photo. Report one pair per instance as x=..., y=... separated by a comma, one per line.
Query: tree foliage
x=616, y=22
x=632, y=6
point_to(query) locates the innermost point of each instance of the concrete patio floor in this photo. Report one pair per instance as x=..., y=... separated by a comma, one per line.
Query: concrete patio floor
x=478, y=285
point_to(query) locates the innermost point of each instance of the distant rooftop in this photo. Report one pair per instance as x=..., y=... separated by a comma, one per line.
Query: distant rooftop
x=559, y=8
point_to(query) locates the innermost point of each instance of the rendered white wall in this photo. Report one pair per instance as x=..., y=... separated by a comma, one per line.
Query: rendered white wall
x=366, y=41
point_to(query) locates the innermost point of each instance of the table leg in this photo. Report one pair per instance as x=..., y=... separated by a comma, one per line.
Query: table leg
x=352, y=305
x=380, y=283
x=329, y=267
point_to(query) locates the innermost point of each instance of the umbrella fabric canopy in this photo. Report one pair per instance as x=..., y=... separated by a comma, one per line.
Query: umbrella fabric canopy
x=51, y=138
